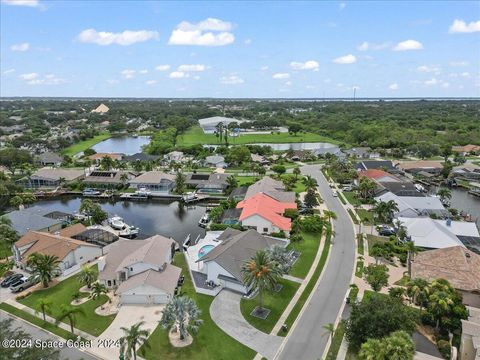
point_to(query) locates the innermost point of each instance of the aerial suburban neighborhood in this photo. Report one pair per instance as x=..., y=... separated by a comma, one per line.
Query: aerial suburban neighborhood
x=214, y=194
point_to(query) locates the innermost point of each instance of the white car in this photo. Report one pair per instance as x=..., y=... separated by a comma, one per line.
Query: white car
x=335, y=194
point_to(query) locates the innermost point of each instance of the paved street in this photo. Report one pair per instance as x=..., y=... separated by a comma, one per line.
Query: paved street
x=36, y=333
x=307, y=341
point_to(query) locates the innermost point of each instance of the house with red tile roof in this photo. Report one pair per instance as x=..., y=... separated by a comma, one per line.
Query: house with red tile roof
x=378, y=175
x=265, y=214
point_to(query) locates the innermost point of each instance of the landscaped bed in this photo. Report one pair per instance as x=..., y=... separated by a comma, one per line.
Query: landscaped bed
x=276, y=302
x=209, y=343
x=336, y=341
x=308, y=250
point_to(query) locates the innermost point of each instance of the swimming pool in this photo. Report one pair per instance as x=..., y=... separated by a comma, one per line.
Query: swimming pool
x=204, y=250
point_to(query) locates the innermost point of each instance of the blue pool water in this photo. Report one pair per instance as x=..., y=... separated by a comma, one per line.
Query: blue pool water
x=204, y=250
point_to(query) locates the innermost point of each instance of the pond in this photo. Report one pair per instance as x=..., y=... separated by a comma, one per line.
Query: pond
x=465, y=202
x=152, y=217
x=293, y=146
x=127, y=145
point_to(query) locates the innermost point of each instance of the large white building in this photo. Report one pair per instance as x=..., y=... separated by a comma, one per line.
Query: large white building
x=209, y=125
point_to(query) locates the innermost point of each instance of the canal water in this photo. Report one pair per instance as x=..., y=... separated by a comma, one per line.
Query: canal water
x=288, y=146
x=152, y=217
x=467, y=203
x=127, y=145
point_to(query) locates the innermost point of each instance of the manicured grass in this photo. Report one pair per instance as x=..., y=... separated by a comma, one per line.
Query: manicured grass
x=359, y=269
x=308, y=249
x=244, y=180
x=374, y=239
x=62, y=294
x=308, y=289
x=209, y=343
x=352, y=198
x=352, y=215
x=5, y=251
x=275, y=302
x=366, y=216
x=352, y=295
x=403, y=281
x=86, y=144
x=336, y=341
x=37, y=321
x=360, y=245
x=195, y=136
x=342, y=198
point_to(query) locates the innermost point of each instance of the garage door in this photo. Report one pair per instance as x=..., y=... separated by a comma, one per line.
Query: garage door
x=144, y=299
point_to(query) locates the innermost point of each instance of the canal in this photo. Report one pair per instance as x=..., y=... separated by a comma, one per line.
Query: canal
x=169, y=219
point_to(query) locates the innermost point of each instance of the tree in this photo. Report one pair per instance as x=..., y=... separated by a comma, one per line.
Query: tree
x=44, y=305
x=260, y=273
x=18, y=336
x=398, y=345
x=70, y=313
x=309, y=182
x=124, y=178
x=444, y=193
x=180, y=182
x=366, y=187
x=280, y=255
x=98, y=290
x=329, y=215
x=378, y=252
x=106, y=163
x=43, y=267
x=181, y=315
x=397, y=292
x=87, y=275
x=329, y=329
x=294, y=129
x=279, y=169
x=93, y=210
x=376, y=316
x=13, y=158
x=238, y=155
x=296, y=172
x=310, y=199
x=376, y=276
x=418, y=290
x=385, y=210
x=446, y=151
x=232, y=182
x=9, y=235
x=439, y=305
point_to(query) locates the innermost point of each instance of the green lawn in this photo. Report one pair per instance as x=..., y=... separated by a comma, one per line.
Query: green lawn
x=352, y=215
x=5, y=250
x=86, y=144
x=366, y=216
x=360, y=244
x=275, y=302
x=209, y=343
x=37, y=321
x=336, y=341
x=244, y=180
x=373, y=239
x=308, y=249
x=308, y=289
x=62, y=294
x=352, y=198
x=195, y=136
x=359, y=269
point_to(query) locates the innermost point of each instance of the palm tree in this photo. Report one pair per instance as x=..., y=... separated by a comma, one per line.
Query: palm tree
x=9, y=235
x=133, y=337
x=181, y=315
x=371, y=350
x=296, y=172
x=180, y=180
x=5, y=221
x=391, y=208
x=418, y=290
x=44, y=267
x=329, y=329
x=439, y=305
x=44, y=305
x=444, y=194
x=232, y=182
x=309, y=182
x=124, y=178
x=260, y=273
x=76, y=296
x=87, y=275
x=330, y=215
x=98, y=290
x=366, y=187
x=70, y=313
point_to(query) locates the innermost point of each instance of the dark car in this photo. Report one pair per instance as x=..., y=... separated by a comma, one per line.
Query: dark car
x=10, y=280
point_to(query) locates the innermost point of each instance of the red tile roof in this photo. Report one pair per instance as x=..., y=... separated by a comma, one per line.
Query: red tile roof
x=374, y=174
x=268, y=208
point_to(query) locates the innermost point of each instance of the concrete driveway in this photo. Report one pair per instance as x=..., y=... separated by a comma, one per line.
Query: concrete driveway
x=127, y=316
x=225, y=311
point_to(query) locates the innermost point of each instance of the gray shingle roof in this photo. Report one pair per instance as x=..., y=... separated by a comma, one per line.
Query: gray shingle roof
x=32, y=218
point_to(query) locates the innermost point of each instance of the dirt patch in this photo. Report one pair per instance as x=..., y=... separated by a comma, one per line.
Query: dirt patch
x=80, y=301
x=110, y=307
x=174, y=338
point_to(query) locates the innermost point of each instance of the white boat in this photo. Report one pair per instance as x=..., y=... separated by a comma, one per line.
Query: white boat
x=203, y=222
x=117, y=223
x=143, y=192
x=129, y=232
x=190, y=196
x=90, y=192
x=420, y=188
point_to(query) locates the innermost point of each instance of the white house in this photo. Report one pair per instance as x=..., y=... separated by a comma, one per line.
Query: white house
x=217, y=161
x=141, y=270
x=209, y=125
x=415, y=206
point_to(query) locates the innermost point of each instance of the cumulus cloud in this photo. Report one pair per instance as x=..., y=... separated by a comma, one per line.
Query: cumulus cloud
x=30, y=3
x=408, y=45
x=365, y=46
x=191, y=67
x=125, y=38
x=20, y=47
x=431, y=82
x=36, y=79
x=162, y=67
x=460, y=26
x=281, y=76
x=178, y=75
x=231, y=80
x=209, y=32
x=144, y=71
x=9, y=71
x=307, y=65
x=429, y=69
x=151, y=82
x=458, y=63
x=347, y=59
x=29, y=76
x=264, y=68
x=128, y=73
x=393, y=86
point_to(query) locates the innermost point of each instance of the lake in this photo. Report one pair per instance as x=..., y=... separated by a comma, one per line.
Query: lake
x=288, y=146
x=127, y=145
x=152, y=217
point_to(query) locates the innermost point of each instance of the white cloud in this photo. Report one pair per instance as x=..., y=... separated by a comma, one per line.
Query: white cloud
x=192, y=67
x=247, y=41
x=125, y=38
x=342, y=6
x=30, y=76
x=460, y=26
x=112, y=81
x=371, y=46
x=288, y=83
x=231, y=80
x=128, y=73
x=431, y=82
x=281, y=76
x=408, y=45
x=178, y=75
x=347, y=59
x=307, y=65
x=144, y=71
x=30, y=3
x=20, y=47
x=445, y=85
x=162, y=67
x=458, y=63
x=209, y=32
x=429, y=69
x=9, y=71
x=264, y=68
x=151, y=82
x=36, y=79
x=465, y=74
x=393, y=86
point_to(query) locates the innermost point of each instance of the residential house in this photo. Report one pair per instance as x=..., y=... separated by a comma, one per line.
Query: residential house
x=415, y=206
x=400, y=188
x=174, y=156
x=460, y=266
x=239, y=193
x=265, y=214
x=429, y=233
x=141, y=156
x=273, y=188
x=378, y=175
x=111, y=178
x=470, y=341
x=50, y=159
x=216, y=161
x=52, y=178
x=231, y=216
x=70, y=252
x=208, y=183
x=36, y=218
x=466, y=149
x=223, y=264
x=259, y=159
x=362, y=153
x=209, y=125
x=467, y=171
x=99, y=156
x=154, y=181
x=385, y=165
x=101, y=109
x=414, y=167
x=141, y=270
x=324, y=151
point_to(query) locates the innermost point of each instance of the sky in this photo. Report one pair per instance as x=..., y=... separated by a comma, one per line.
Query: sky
x=239, y=49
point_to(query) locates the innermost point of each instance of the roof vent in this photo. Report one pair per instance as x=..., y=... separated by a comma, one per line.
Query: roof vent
x=467, y=255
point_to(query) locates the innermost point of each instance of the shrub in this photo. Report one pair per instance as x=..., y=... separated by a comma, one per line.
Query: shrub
x=444, y=348
x=280, y=234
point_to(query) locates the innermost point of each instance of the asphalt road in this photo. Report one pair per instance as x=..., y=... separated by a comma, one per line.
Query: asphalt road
x=308, y=339
x=36, y=333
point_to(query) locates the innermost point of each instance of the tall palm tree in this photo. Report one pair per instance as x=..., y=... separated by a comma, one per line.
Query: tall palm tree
x=296, y=171
x=366, y=187
x=260, y=273
x=418, y=290
x=88, y=275
x=181, y=315
x=124, y=178
x=44, y=267
x=391, y=208
x=98, y=290
x=133, y=337
x=232, y=182
x=44, y=305
x=329, y=329
x=330, y=215
x=444, y=193
x=439, y=305
x=309, y=182
x=70, y=313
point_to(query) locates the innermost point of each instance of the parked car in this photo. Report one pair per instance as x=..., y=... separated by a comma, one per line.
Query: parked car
x=347, y=188
x=385, y=230
x=22, y=284
x=335, y=194
x=9, y=280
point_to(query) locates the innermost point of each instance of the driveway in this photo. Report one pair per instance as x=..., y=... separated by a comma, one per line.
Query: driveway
x=306, y=341
x=225, y=311
x=127, y=316
x=5, y=293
